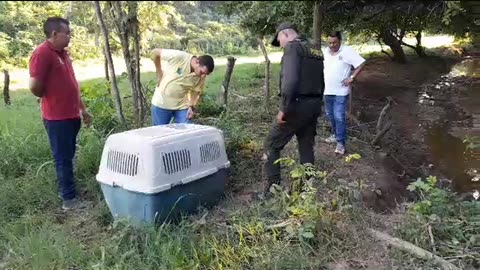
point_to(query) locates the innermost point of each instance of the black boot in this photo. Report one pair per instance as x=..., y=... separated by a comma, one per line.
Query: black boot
x=265, y=194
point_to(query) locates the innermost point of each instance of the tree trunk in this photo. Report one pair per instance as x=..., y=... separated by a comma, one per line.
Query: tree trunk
x=419, y=49
x=108, y=54
x=136, y=48
x=105, y=61
x=97, y=36
x=226, y=80
x=266, y=87
x=123, y=24
x=69, y=10
x=318, y=16
x=395, y=45
x=6, y=88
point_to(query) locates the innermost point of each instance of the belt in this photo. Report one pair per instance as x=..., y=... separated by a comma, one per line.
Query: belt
x=301, y=97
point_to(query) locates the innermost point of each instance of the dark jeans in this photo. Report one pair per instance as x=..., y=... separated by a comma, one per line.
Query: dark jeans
x=303, y=124
x=335, y=109
x=62, y=135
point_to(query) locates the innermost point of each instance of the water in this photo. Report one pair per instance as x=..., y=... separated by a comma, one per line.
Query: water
x=447, y=147
x=459, y=164
x=470, y=67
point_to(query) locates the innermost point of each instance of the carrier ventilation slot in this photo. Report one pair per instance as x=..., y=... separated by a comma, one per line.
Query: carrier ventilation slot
x=122, y=163
x=176, y=161
x=210, y=152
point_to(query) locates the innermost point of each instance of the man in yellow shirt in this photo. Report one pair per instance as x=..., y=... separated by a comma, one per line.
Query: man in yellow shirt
x=181, y=79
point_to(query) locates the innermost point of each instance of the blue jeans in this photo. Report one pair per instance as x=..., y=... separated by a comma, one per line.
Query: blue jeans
x=62, y=135
x=163, y=117
x=335, y=109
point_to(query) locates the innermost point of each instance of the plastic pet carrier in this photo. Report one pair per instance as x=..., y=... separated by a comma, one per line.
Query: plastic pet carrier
x=152, y=174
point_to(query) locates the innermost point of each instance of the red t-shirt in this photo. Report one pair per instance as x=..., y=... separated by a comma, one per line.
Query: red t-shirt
x=61, y=99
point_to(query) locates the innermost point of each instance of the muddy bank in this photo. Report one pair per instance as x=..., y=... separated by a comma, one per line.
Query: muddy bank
x=436, y=102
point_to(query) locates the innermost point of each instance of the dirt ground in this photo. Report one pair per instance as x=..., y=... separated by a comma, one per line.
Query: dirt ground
x=402, y=154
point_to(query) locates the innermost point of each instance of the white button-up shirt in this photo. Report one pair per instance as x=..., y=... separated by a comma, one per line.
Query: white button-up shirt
x=338, y=68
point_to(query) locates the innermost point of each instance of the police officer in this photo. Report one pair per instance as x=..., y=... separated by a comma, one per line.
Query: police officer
x=301, y=91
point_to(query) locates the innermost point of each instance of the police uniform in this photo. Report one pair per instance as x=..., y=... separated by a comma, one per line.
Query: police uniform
x=301, y=91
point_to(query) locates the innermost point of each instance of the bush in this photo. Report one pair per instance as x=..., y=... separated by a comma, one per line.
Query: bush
x=98, y=100
x=437, y=222
x=208, y=107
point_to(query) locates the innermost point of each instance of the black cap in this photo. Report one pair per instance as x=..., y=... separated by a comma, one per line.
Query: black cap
x=282, y=26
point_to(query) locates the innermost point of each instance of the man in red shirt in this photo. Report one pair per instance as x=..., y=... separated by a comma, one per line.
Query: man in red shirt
x=52, y=79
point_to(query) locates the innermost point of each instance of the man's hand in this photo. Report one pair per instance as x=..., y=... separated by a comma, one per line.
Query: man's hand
x=347, y=82
x=190, y=113
x=280, y=119
x=87, y=119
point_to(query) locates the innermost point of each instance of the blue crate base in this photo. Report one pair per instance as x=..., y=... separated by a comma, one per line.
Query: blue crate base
x=169, y=205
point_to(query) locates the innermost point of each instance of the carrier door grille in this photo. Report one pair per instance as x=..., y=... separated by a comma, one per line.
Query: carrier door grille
x=210, y=152
x=176, y=161
x=122, y=163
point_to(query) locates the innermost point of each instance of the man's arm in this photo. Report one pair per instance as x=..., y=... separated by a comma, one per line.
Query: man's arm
x=194, y=97
x=156, y=57
x=357, y=70
x=36, y=87
x=290, y=76
x=39, y=66
x=357, y=61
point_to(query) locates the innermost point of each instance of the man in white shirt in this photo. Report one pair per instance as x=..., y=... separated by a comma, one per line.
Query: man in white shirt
x=338, y=63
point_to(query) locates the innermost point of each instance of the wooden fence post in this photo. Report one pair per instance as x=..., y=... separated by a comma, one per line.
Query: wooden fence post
x=226, y=80
x=6, y=88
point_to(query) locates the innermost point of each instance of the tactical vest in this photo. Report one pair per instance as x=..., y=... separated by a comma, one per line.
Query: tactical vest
x=312, y=82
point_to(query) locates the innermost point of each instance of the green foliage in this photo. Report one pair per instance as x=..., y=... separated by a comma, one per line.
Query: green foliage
x=98, y=100
x=351, y=157
x=261, y=18
x=473, y=142
x=190, y=26
x=21, y=27
x=433, y=200
x=454, y=8
x=181, y=26
x=440, y=223
x=208, y=106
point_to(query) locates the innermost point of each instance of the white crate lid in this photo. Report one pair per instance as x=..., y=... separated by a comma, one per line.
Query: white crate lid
x=154, y=159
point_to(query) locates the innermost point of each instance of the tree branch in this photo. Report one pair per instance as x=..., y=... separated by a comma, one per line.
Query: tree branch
x=374, y=15
x=382, y=50
x=412, y=249
x=384, y=112
x=381, y=133
x=408, y=45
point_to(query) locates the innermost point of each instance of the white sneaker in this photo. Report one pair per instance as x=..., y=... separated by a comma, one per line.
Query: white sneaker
x=340, y=149
x=330, y=139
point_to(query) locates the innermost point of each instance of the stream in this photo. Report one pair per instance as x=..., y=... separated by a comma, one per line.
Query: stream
x=452, y=112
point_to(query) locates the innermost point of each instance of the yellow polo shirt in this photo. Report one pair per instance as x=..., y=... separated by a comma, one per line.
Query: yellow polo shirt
x=177, y=82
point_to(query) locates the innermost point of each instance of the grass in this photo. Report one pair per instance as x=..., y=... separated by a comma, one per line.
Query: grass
x=35, y=234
